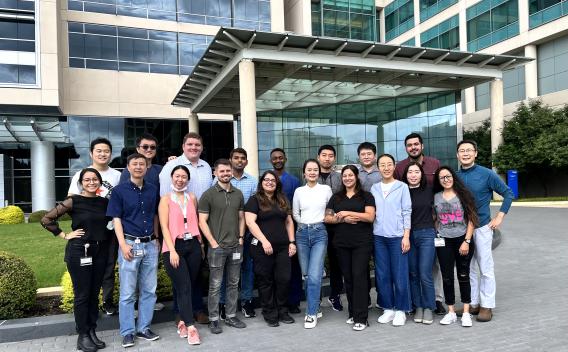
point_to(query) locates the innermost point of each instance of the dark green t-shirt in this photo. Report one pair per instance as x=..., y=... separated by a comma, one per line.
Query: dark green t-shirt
x=223, y=208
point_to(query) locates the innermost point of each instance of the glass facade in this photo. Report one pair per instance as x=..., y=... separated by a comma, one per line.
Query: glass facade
x=544, y=11
x=514, y=85
x=409, y=42
x=552, y=66
x=134, y=49
x=490, y=22
x=385, y=122
x=248, y=14
x=443, y=36
x=399, y=18
x=430, y=8
x=353, y=19
x=17, y=42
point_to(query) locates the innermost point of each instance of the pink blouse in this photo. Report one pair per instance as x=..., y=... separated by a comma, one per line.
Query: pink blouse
x=176, y=224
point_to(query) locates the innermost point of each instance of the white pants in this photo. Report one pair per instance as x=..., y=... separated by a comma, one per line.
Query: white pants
x=481, y=271
x=438, y=283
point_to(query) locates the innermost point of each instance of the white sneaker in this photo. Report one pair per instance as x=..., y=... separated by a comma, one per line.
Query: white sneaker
x=399, y=318
x=387, y=316
x=319, y=313
x=449, y=318
x=310, y=321
x=466, y=320
x=350, y=321
x=359, y=327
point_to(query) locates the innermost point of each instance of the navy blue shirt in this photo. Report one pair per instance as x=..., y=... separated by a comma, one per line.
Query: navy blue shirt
x=135, y=207
x=152, y=175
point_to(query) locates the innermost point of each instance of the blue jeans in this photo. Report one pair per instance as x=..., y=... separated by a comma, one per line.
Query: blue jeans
x=391, y=271
x=420, y=262
x=311, y=241
x=142, y=272
x=247, y=274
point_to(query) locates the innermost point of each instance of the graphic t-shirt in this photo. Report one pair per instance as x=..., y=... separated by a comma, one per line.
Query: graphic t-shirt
x=450, y=214
x=111, y=178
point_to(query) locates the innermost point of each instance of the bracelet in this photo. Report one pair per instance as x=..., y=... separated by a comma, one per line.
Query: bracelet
x=293, y=242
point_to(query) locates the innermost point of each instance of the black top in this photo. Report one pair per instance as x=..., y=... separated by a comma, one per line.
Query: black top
x=352, y=235
x=422, y=202
x=87, y=213
x=272, y=223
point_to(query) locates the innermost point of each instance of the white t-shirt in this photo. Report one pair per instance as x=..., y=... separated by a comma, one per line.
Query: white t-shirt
x=386, y=188
x=310, y=202
x=111, y=178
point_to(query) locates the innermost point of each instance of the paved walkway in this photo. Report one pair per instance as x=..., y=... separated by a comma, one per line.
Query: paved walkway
x=532, y=298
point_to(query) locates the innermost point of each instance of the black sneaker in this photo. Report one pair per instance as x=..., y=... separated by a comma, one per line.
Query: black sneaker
x=148, y=335
x=272, y=323
x=128, y=341
x=235, y=322
x=440, y=310
x=222, y=314
x=294, y=309
x=248, y=309
x=109, y=309
x=286, y=318
x=335, y=302
x=215, y=327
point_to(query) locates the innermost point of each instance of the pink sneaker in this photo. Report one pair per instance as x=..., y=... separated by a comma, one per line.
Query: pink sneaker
x=182, y=330
x=193, y=336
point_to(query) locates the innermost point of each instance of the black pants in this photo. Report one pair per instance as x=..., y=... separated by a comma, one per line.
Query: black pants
x=335, y=275
x=86, y=280
x=185, y=275
x=448, y=256
x=273, y=279
x=108, y=278
x=355, y=267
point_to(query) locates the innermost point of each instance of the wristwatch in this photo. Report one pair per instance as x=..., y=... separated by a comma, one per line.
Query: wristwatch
x=468, y=241
x=293, y=242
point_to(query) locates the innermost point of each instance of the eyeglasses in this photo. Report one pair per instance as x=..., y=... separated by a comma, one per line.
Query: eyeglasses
x=464, y=151
x=268, y=180
x=445, y=178
x=90, y=180
x=147, y=146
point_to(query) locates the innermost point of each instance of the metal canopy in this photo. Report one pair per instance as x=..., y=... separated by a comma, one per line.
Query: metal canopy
x=297, y=71
x=22, y=129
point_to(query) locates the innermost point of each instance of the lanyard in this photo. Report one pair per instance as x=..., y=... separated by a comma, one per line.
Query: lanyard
x=182, y=206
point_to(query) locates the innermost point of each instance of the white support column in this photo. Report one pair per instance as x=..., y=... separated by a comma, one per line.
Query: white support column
x=531, y=73
x=193, y=123
x=43, y=175
x=497, y=119
x=382, y=25
x=462, y=25
x=247, y=93
x=416, y=11
x=469, y=95
x=523, y=16
x=277, y=16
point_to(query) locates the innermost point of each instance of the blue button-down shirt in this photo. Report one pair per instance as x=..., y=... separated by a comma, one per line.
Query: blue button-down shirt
x=246, y=184
x=135, y=207
x=200, y=176
x=152, y=175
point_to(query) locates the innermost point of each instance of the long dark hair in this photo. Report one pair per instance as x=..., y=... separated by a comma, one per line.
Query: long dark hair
x=422, y=177
x=278, y=198
x=464, y=195
x=342, y=193
x=89, y=169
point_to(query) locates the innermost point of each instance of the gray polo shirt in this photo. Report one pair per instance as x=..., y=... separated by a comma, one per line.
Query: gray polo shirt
x=223, y=208
x=369, y=178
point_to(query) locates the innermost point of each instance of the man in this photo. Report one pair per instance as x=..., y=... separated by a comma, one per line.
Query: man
x=146, y=144
x=133, y=207
x=328, y=176
x=222, y=222
x=200, y=181
x=247, y=184
x=415, y=149
x=482, y=182
x=289, y=184
x=368, y=172
x=101, y=152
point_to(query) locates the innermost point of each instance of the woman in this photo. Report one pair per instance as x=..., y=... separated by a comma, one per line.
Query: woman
x=309, y=202
x=86, y=252
x=456, y=216
x=391, y=231
x=182, y=247
x=422, y=251
x=352, y=210
x=268, y=217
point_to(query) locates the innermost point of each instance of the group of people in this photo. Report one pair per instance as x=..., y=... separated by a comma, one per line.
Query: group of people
x=404, y=217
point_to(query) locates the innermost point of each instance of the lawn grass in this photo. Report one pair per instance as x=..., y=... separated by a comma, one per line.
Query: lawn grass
x=39, y=248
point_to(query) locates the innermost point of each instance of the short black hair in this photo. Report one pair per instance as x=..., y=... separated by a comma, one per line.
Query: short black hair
x=413, y=135
x=181, y=167
x=222, y=161
x=135, y=156
x=100, y=140
x=327, y=147
x=146, y=136
x=278, y=150
x=366, y=145
x=238, y=150
x=467, y=141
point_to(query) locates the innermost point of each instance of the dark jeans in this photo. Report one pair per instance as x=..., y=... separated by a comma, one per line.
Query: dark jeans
x=420, y=263
x=273, y=279
x=448, y=256
x=355, y=268
x=219, y=259
x=185, y=275
x=295, y=293
x=86, y=280
x=334, y=272
x=108, y=276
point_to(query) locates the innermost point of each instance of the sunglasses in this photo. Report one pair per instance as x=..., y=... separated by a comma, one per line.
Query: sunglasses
x=146, y=147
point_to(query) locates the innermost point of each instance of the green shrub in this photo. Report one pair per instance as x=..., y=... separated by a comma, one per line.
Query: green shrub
x=36, y=216
x=11, y=215
x=18, y=287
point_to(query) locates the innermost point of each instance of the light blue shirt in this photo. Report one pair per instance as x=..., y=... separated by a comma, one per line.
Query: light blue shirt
x=246, y=184
x=200, y=176
x=393, y=211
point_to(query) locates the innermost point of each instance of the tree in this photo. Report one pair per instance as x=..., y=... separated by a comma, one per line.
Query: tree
x=482, y=136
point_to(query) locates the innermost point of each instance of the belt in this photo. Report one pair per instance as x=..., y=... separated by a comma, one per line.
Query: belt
x=312, y=225
x=142, y=239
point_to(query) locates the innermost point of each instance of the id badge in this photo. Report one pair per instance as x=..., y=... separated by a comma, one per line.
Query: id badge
x=236, y=256
x=187, y=236
x=137, y=253
x=439, y=242
x=86, y=261
x=254, y=241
